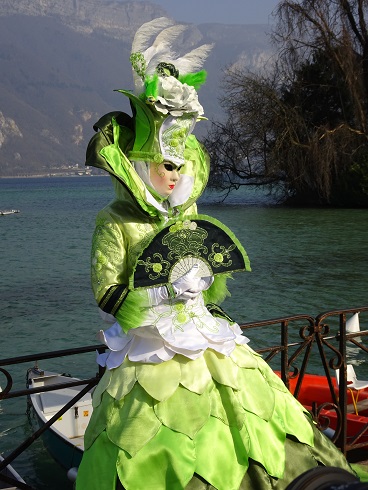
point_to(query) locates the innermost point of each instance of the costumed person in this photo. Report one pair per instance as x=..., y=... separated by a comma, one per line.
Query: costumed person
x=184, y=402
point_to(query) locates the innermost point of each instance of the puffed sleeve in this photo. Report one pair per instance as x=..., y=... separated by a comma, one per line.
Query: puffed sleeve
x=108, y=265
x=109, y=274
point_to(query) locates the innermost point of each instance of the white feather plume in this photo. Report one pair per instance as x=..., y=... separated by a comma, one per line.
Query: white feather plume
x=163, y=47
x=194, y=60
x=145, y=33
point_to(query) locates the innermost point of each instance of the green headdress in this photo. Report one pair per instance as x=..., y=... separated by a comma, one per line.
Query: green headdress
x=165, y=99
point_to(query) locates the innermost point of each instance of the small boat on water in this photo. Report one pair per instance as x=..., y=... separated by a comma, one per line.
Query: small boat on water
x=12, y=477
x=10, y=211
x=64, y=438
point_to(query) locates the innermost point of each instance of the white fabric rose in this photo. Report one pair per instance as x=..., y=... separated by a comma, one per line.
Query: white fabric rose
x=177, y=98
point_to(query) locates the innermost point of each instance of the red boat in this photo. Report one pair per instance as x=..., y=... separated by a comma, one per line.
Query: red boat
x=315, y=395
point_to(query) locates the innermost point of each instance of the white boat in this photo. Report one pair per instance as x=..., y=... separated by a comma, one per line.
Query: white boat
x=9, y=472
x=10, y=211
x=64, y=438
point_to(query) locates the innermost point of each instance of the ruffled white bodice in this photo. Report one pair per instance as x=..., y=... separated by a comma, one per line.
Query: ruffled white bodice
x=173, y=327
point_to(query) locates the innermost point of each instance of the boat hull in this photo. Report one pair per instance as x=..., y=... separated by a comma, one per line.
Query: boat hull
x=63, y=451
x=64, y=439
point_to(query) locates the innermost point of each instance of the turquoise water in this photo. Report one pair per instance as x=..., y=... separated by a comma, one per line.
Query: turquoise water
x=303, y=261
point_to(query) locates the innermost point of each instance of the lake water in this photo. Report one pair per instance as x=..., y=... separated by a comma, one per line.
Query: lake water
x=303, y=261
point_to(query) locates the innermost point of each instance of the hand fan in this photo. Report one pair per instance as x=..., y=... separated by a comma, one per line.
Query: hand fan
x=180, y=245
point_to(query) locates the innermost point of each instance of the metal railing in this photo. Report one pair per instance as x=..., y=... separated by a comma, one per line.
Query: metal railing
x=301, y=338
x=7, y=393
x=329, y=345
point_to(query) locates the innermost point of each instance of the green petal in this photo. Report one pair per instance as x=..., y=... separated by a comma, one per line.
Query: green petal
x=269, y=451
x=219, y=446
x=133, y=422
x=222, y=368
x=244, y=357
x=184, y=411
x=167, y=461
x=256, y=395
x=225, y=406
x=98, y=465
x=194, y=374
x=100, y=388
x=271, y=378
x=294, y=416
x=99, y=420
x=159, y=380
x=123, y=379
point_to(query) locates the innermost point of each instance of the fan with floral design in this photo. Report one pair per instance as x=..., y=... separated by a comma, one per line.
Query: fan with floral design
x=180, y=245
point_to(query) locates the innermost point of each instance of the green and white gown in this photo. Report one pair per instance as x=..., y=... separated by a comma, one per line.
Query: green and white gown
x=184, y=403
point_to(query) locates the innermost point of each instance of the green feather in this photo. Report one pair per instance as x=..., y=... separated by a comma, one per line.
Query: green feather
x=218, y=291
x=151, y=84
x=133, y=311
x=194, y=79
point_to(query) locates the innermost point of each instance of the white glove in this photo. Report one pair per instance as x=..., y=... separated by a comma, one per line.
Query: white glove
x=203, y=284
x=186, y=287
x=178, y=287
x=157, y=295
x=188, y=282
x=189, y=286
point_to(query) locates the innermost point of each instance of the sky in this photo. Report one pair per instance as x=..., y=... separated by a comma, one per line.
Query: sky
x=222, y=11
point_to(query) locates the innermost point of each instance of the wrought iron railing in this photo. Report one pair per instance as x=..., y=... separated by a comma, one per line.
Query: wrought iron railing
x=7, y=393
x=301, y=337
x=329, y=344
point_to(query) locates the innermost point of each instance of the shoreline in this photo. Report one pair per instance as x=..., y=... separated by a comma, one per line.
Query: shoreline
x=51, y=176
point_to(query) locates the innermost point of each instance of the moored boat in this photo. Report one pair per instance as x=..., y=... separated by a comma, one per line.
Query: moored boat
x=10, y=211
x=64, y=438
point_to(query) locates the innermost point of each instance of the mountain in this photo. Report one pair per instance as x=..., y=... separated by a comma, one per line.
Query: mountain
x=61, y=61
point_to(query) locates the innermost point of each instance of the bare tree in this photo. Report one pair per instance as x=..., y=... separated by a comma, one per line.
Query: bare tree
x=302, y=125
x=335, y=27
x=241, y=157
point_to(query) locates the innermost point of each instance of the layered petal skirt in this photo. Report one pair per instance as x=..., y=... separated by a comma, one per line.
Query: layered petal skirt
x=185, y=403
x=225, y=420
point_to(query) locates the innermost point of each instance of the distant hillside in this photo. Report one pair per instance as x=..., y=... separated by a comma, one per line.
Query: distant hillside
x=61, y=61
